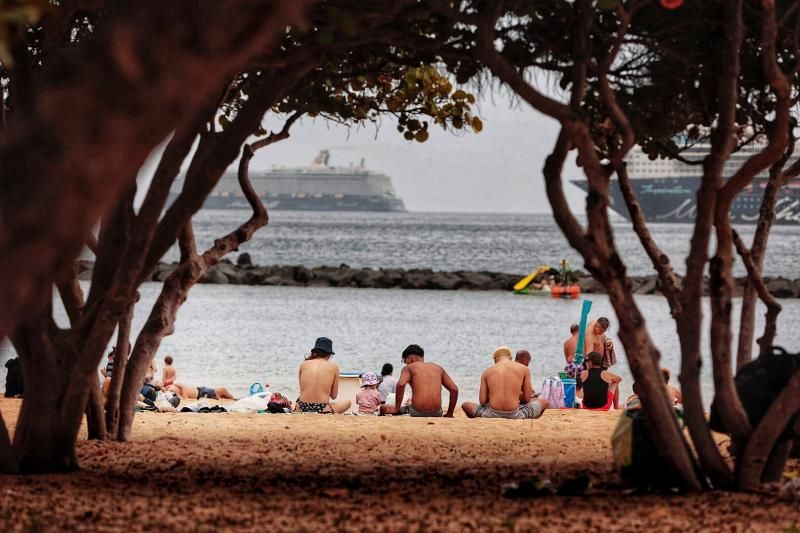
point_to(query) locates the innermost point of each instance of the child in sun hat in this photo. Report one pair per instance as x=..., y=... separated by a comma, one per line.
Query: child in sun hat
x=369, y=399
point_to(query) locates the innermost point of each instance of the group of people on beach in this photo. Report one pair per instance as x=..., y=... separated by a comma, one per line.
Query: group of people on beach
x=505, y=386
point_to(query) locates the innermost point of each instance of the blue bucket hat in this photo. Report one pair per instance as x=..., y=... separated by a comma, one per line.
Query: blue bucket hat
x=323, y=344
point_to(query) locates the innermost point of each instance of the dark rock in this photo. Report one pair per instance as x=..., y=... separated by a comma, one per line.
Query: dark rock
x=475, y=280
x=590, y=285
x=215, y=275
x=234, y=275
x=244, y=260
x=780, y=287
x=646, y=285
x=367, y=278
x=303, y=275
x=343, y=277
x=413, y=281
x=443, y=281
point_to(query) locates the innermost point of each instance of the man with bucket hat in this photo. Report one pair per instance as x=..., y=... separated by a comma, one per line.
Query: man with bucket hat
x=319, y=381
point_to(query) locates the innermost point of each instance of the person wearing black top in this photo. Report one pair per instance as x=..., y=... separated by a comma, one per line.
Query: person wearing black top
x=600, y=387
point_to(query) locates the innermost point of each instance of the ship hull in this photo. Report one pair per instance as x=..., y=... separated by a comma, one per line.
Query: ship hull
x=310, y=203
x=673, y=200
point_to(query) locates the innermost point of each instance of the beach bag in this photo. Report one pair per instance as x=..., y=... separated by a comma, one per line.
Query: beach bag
x=553, y=392
x=255, y=388
x=279, y=399
x=758, y=384
x=636, y=456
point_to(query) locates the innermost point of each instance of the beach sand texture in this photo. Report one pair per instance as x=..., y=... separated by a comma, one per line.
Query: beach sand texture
x=230, y=472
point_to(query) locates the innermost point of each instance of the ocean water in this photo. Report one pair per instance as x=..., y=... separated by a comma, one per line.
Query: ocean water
x=229, y=335
x=511, y=243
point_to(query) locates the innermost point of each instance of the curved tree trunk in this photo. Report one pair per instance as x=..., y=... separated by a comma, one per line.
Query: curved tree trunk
x=118, y=376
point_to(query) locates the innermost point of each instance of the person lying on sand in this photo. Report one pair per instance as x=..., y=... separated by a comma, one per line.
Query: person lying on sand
x=193, y=393
x=319, y=381
x=600, y=387
x=426, y=380
x=503, y=386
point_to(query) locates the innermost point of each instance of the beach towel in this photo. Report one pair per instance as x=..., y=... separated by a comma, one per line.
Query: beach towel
x=553, y=392
x=251, y=404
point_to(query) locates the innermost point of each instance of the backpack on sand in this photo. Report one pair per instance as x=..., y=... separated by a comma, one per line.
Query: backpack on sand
x=553, y=392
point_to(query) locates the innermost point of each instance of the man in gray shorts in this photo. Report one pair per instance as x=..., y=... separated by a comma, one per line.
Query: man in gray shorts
x=506, y=391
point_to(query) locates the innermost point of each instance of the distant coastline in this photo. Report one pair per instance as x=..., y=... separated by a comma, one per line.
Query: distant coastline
x=243, y=273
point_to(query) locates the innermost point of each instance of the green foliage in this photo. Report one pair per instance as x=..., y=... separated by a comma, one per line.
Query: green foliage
x=417, y=97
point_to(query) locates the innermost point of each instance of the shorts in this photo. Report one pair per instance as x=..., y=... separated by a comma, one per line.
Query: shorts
x=206, y=392
x=530, y=410
x=409, y=410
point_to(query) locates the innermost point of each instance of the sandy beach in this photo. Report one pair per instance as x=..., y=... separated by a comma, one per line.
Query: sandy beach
x=206, y=472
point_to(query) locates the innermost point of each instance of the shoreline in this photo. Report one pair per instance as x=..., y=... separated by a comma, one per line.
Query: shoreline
x=245, y=273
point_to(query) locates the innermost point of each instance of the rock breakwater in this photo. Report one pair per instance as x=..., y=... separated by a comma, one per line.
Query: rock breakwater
x=244, y=273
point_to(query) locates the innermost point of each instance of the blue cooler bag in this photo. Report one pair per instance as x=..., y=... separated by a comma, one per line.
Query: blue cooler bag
x=569, y=392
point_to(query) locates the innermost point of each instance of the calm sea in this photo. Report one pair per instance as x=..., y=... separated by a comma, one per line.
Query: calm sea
x=515, y=244
x=234, y=335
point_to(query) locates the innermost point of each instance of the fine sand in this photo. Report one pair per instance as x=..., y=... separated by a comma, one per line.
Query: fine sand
x=208, y=472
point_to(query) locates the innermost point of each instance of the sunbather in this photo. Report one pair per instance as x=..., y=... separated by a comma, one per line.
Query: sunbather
x=193, y=393
x=505, y=391
x=319, y=381
x=426, y=380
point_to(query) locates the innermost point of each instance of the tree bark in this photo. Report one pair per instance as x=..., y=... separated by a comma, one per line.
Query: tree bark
x=120, y=98
x=95, y=415
x=120, y=366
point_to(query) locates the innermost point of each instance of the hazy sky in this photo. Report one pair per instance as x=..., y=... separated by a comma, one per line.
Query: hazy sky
x=497, y=170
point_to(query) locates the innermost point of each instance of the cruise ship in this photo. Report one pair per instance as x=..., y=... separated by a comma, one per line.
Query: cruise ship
x=316, y=187
x=666, y=189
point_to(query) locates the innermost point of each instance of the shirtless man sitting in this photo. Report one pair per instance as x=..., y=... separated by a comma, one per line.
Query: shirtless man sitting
x=426, y=380
x=505, y=391
x=600, y=387
x=193, y=393
x=319, y=381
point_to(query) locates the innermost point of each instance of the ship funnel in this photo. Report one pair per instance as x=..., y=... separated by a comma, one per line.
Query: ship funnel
x=322, y=158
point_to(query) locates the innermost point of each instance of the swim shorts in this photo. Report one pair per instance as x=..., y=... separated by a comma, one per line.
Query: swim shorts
x=409, y=410
x=532, y=409
x=206, y=392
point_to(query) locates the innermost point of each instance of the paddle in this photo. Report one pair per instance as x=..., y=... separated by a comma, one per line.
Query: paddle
x=587, y=306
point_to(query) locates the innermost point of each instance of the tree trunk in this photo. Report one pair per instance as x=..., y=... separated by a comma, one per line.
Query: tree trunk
x=95, y=417
x=43, y=442
x=118, y=376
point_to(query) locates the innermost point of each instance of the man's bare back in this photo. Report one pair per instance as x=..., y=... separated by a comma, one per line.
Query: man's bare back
x=426, y=380
x=505, y=384
x=319, y=381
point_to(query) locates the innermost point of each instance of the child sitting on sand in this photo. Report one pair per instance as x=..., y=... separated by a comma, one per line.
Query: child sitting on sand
x=369, y=399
